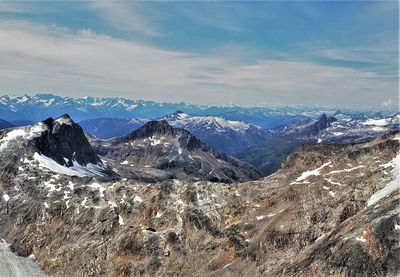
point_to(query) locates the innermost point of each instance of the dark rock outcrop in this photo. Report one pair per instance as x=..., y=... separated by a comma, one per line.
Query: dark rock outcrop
x=64, y=142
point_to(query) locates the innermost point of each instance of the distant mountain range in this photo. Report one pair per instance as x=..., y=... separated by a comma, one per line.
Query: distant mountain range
x=341, y=129
x=263, y=137
x=41, y=106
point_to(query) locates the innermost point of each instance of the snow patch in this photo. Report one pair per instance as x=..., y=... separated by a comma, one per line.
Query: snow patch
x=377, y=122
x=120, y=220
x=137, y=199
x=99, y=187
x=333, y=182
x=75, y=170
x=345, y=170
x=6, y=197
x=64, y=120
x=309, y=173
x=158, y=215
x=390, y=187
x=11, y=136
x=362, y=239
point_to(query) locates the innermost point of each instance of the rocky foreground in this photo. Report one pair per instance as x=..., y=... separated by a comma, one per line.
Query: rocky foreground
x=330, y=210
x=12, y=265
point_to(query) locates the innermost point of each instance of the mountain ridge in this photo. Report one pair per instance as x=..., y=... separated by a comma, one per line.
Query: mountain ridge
x=312, y=217
x=39, y=106
x=159, y=145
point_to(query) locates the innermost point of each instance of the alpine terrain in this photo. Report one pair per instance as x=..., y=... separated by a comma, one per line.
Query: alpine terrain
x=159, y=145
x=268, y=155
x=92, y=209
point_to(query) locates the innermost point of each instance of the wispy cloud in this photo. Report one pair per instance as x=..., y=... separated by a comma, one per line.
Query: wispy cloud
x=38, y=58
x=126, y=16
x=220, y=15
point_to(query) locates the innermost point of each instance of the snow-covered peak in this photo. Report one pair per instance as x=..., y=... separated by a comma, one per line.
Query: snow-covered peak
x=183, y=120
x=182, y=115
x=64, y=119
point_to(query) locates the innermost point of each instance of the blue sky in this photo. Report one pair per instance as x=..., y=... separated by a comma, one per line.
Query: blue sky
x=328, y=53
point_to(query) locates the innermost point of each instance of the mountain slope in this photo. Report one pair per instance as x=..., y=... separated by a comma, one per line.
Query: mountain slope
x=329, y=211
x=225, y=135
x=159, y=145
x=5, y=124
x=309, y=130
x=58, y=145
x=268, y=155
x=106, y=128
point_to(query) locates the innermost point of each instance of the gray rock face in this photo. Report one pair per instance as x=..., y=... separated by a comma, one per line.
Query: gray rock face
x=331, y=210
x=159, y=145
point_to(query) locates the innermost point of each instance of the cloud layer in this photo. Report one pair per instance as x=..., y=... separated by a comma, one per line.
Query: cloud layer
x=77, y=62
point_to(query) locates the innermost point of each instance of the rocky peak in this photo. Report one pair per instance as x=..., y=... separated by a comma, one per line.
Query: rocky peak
x=160, y=146
x=160, y=127
x=65, y=142
x=325, y=121
x=176, y=116
x=317, y=126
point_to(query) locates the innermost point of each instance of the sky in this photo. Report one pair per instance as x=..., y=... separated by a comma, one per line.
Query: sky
x=261, y=53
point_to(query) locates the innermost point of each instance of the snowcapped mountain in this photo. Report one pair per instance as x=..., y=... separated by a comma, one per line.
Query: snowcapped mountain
x=55, y=145
x=353, y=130
x=309, y=129
x=159, y=145
x=342, y=129
x=226, y=135
x=35, y=108
x=111, y=127
x=268, y=155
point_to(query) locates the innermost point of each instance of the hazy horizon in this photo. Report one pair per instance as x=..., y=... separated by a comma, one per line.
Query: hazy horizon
x=294, y=106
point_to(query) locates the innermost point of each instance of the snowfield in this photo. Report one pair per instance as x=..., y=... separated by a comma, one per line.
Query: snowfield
x=390, y=187
x=89, y=170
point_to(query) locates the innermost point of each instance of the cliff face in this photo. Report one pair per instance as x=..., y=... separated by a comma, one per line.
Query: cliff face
x=330, y=210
